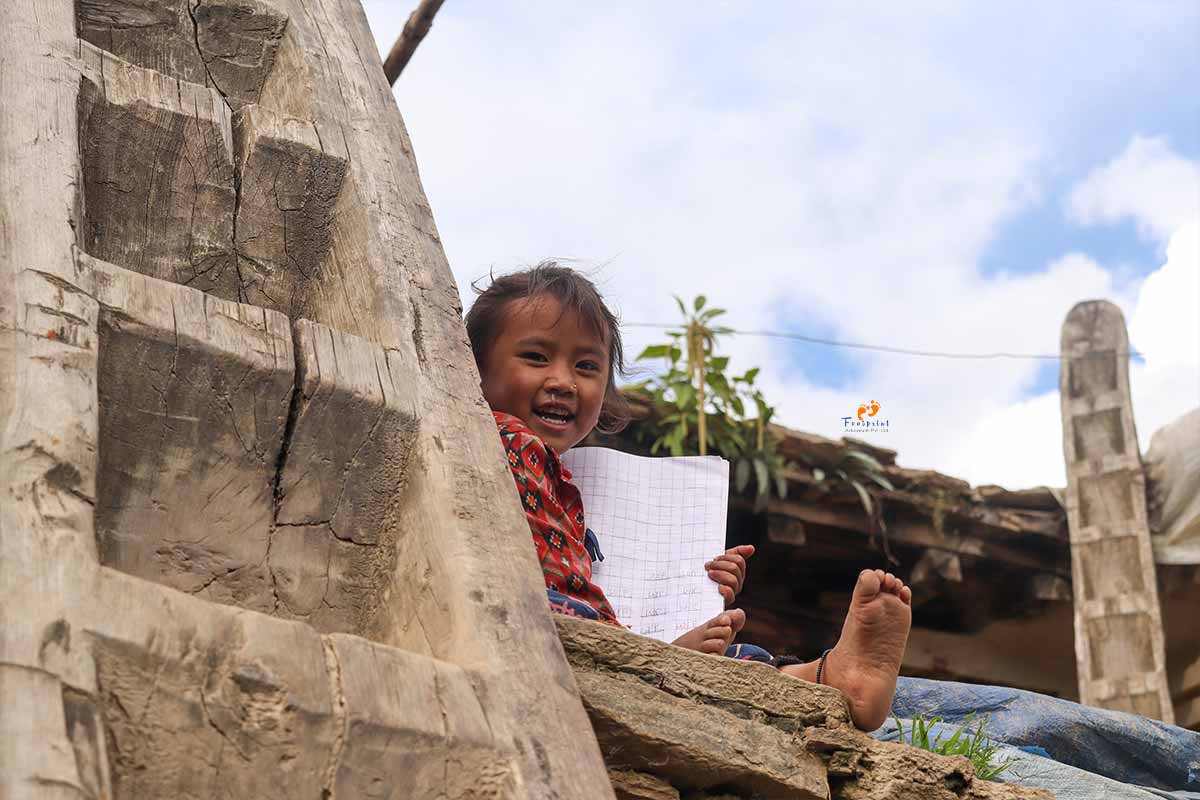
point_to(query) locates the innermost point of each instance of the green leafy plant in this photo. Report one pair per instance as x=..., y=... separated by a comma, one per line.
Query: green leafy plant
x=974, y=745
x=698, y=407
x=863, y=473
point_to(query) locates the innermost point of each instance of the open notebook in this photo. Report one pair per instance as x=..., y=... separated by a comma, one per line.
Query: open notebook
x=658, y=521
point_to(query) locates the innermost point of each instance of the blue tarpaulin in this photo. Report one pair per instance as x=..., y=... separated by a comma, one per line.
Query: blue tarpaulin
x=1123, y=747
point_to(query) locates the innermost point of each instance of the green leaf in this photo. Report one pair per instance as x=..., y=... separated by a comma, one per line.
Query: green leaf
x=655, y=351
x=739, y=407
x=781, y=485
x=675, y=354
x=717, y=381
x=865, y=458
x=867, y=503
x=682, y=307
x=742, y=475
x=750, y=375
x=762, y=475
x=700, y=301
x=684, y=395
x=718, y=363
x=710, y=313
x=882, y=481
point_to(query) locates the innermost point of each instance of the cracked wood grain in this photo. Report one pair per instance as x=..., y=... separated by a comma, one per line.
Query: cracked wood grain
x=157, y=163
x=230, y=46
x=194, y=396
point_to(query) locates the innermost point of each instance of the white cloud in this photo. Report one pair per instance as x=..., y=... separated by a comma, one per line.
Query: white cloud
x=1165, y=329
x=806, y=167
x=1151, y=184
x=1160, y=190
x=1148, y=182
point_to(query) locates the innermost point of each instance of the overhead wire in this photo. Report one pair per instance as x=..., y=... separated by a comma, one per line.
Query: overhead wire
x=907, y=351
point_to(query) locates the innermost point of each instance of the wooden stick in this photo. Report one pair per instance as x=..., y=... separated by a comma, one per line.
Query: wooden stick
x=418, y=24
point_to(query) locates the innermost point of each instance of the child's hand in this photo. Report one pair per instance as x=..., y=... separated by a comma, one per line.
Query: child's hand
x=729, y=570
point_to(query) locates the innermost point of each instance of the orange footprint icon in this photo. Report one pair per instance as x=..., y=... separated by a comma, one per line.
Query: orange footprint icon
x=862, y=409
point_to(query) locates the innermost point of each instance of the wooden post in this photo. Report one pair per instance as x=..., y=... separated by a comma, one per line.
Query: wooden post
x=1118, y=623
x=241, y=428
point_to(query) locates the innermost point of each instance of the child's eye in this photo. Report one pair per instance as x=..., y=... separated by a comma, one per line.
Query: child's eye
x=532, y=355
x=588, y=366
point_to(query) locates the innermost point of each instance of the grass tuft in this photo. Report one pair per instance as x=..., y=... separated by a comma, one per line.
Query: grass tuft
x=974, y=745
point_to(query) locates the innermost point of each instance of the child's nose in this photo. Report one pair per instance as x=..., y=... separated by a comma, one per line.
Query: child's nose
x=558, y=382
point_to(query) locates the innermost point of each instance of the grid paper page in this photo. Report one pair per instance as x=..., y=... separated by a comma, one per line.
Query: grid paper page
x=658, y=521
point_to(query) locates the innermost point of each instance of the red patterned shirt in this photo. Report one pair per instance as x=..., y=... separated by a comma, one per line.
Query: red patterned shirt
x=555, y=512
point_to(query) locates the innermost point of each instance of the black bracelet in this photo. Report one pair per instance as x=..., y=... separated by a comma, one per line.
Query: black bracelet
x=821, y=664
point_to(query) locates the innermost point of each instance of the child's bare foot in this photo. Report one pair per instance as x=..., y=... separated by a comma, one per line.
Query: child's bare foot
x=715, y=635
x=866, y=660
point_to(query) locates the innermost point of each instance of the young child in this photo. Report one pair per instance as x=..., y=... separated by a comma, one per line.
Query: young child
x=548, y=352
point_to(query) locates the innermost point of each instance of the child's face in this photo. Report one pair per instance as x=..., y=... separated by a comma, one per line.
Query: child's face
x=548, y=369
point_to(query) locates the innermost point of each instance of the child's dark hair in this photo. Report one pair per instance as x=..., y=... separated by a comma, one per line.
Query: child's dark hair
x=576, y=294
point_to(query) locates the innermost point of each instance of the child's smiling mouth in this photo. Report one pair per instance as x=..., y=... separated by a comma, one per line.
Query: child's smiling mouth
x=555, y=416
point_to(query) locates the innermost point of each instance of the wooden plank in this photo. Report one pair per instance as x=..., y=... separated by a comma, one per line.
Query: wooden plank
x=1118, y=621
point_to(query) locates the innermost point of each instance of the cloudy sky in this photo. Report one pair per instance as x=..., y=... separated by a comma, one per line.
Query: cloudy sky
x=941, y=176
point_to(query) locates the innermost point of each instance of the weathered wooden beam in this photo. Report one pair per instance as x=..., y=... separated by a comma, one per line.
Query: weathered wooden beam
x=959, y=506
x=1118, y=621
x=917, y=534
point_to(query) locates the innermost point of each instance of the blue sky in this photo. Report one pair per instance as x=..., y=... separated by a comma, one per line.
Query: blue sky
x=940, y=176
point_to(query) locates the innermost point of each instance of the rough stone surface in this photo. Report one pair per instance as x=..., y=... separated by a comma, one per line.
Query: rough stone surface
x=630, y=785
x=706, y=726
